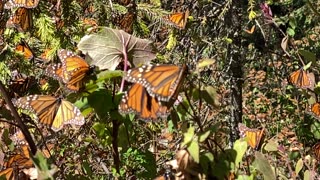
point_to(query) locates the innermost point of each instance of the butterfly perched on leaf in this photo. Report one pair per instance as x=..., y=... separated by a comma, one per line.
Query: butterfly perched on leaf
x=137, y=100
x=316, y=150
x=20, y=84
x=71, y=71
x=21, y=3
x=21, y=20
x=161, y=81
x=179, y=19
x=13, y=168
x=52, y=111
x=253, y=136
x=24, y=48
x=302, y=79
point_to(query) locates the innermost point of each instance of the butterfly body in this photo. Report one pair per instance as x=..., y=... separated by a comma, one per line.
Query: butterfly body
x=253, y=136
x=137, y=100
x=161, y=81
x=51, y=111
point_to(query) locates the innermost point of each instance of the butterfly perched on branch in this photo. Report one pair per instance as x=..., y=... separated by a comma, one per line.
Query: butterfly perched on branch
x=20, y=83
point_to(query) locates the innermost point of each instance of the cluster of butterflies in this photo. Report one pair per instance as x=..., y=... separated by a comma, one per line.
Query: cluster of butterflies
x=22, y=16
x=154, y=89
x=53, y=111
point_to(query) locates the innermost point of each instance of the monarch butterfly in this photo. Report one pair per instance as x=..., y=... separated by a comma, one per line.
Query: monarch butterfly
x=71, y=71
x=52, y=111
x=21, y=3
x=179, y=19
x=24, y=48
x=138, y=101
x=20, y=83
x=301, y=79
x=18, y=138
x=254, y=136
x=125, y=21
x=161, y=81
x=21, y=20
x=315, y=110
x=251, y=30
x=316, y=150
x=16, y=163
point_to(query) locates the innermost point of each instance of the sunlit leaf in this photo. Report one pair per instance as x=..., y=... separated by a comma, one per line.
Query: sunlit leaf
x=307, y=175
x=193, y=149
x=108, y=47
x=299, y=166
x=240, y=146
x=204, y=136
x=271, y=146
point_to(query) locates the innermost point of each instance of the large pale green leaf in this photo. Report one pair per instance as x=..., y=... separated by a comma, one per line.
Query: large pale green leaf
x=240, y=146
x=193, y=149
x=108, y=47
x=299, y=166
x=261, y=163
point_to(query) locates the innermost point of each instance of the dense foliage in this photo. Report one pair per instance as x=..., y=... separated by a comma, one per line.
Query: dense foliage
x=247, y=106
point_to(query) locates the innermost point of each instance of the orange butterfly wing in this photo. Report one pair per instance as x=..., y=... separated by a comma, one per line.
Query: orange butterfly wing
x=137, y=100
x=316, y=150
x=253, y=136
x=23, y=48
x=179, y=19
x=21, y=3
x=21, y=20
x=301, y=79
x=161, y=81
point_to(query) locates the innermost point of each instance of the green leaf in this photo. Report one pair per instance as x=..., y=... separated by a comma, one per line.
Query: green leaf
x=299, y=166
x=209, y=94
x=205, y=62
x=193, y=149
x=188, y=136
x=107, y=75
x=205, y=161
x=271, y=146
x=290, y=32
x=240, y=146
x=204, y=136
x=309, y=56
x=307, y=175
x=261, y=163
x=108, y=47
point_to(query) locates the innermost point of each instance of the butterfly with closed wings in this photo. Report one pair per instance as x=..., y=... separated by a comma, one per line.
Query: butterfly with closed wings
x=254, y=136
x=20, y=84
x=71, y=71
x=21, y=3
x=138, y=101
x=21, y=20
x=161, y=81
x=52, y=111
